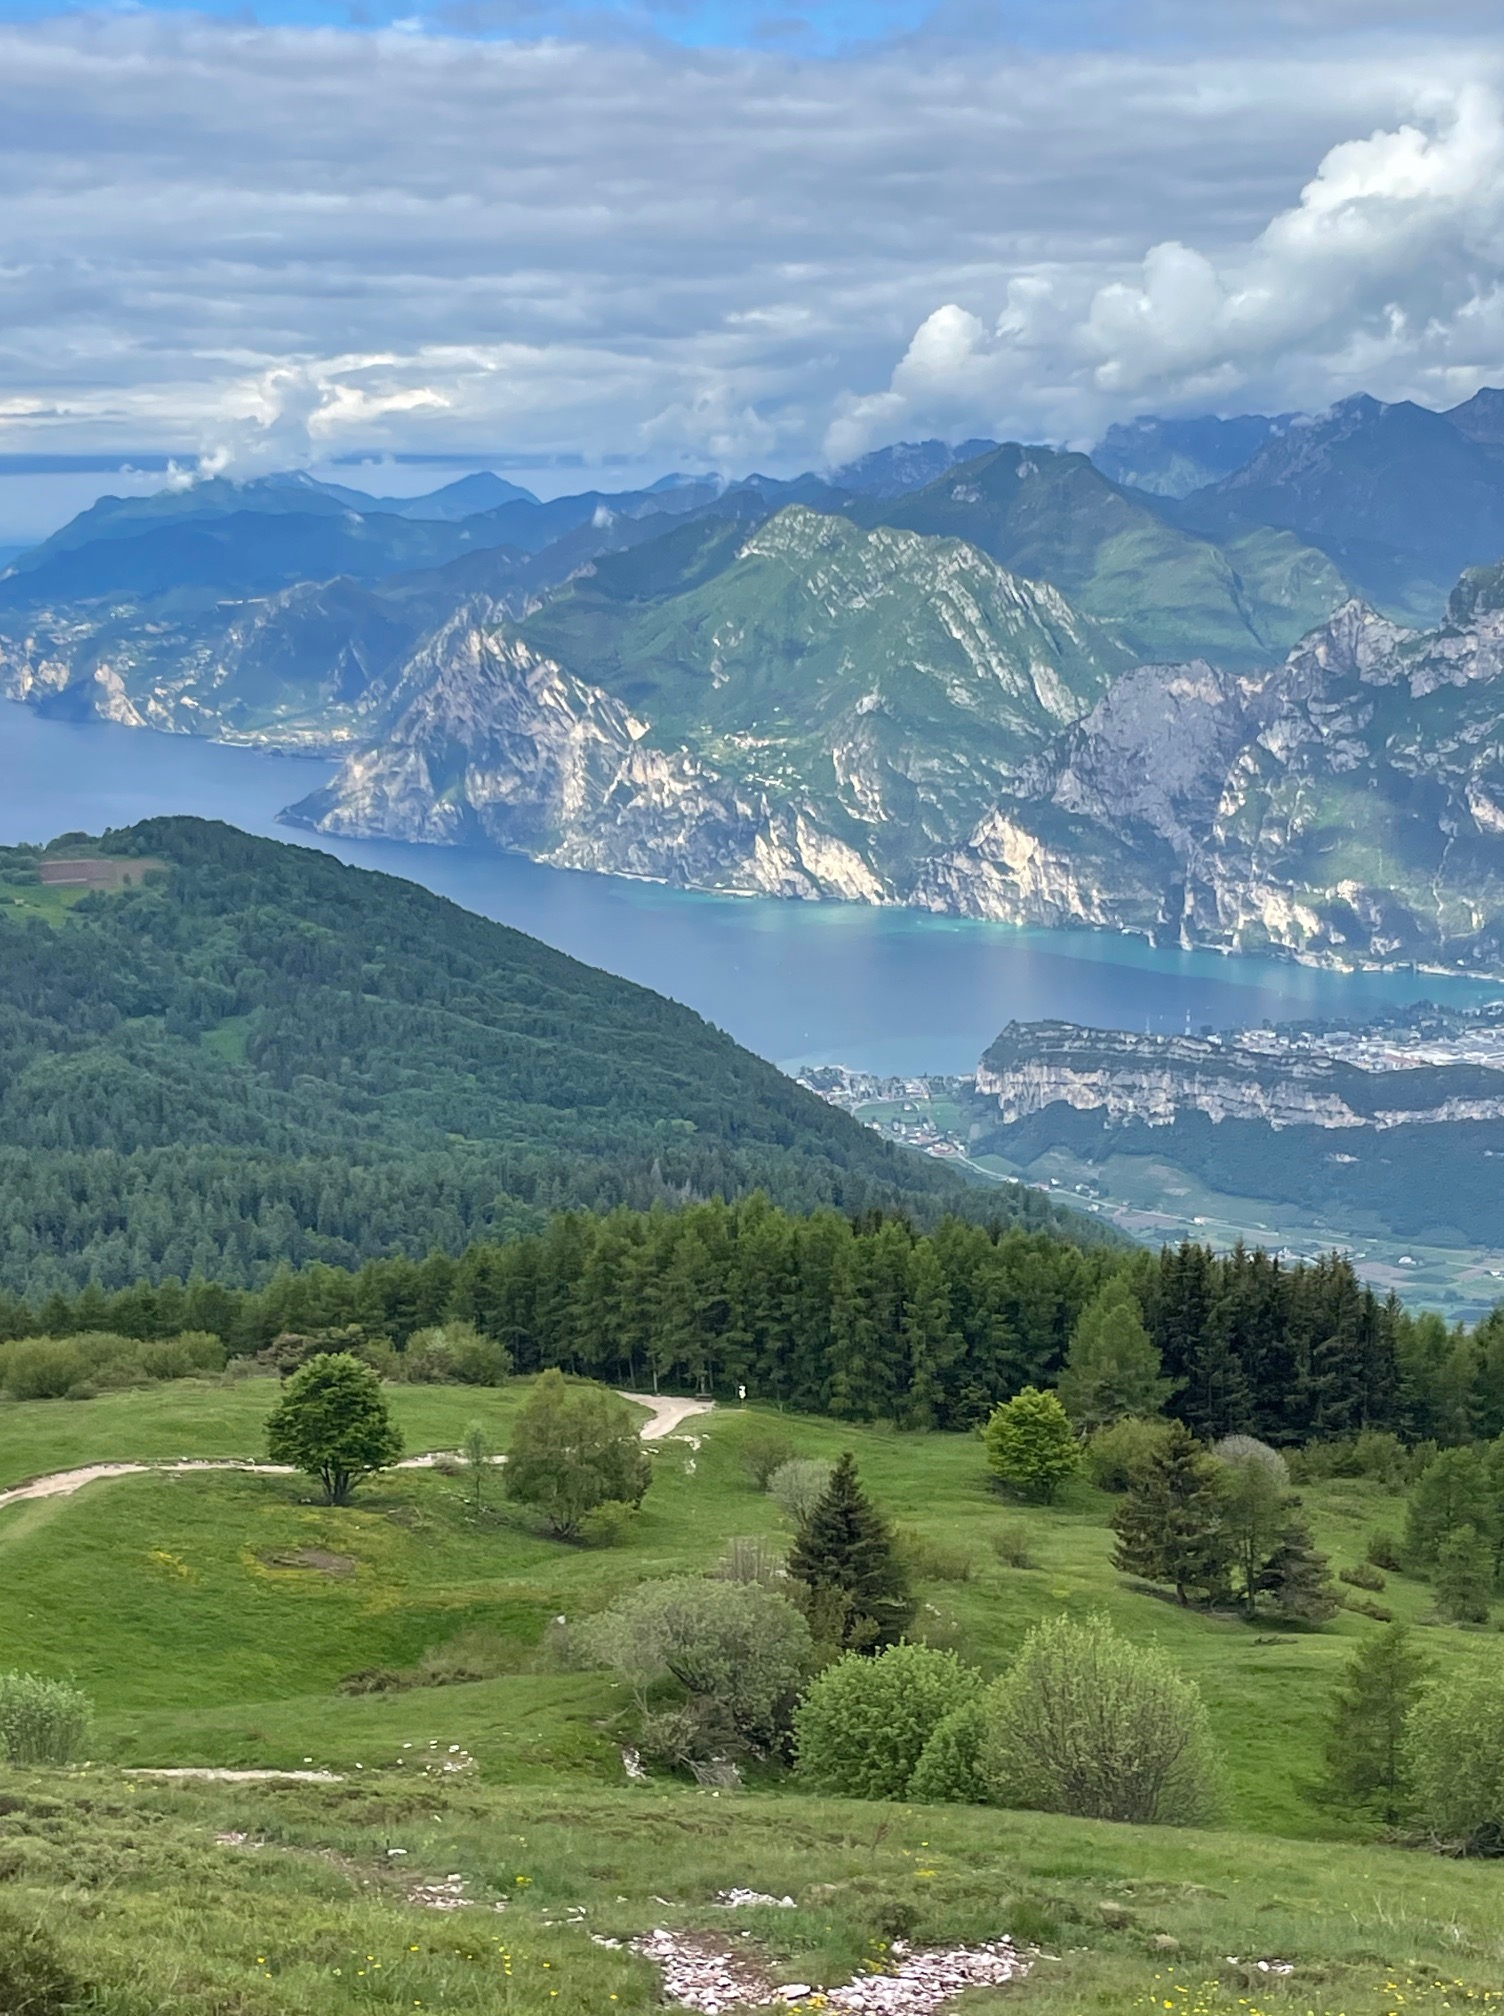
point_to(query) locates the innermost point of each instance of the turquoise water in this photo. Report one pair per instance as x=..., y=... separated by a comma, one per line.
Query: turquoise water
x=885, y=990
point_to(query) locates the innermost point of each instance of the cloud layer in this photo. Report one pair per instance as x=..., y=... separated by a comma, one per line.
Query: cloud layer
x=264, y=244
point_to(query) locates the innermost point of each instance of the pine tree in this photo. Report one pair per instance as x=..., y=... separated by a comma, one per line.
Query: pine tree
x=1464, y=1578
x=1170, y=1525
x=1366, y=1753
x=845, y=1556
x=1297, y=1579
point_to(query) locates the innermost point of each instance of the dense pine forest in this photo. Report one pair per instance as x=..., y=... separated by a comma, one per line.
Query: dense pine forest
x=266, y=1057
x=868, y=1320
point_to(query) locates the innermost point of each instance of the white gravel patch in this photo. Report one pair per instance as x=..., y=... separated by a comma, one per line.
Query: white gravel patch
x=699, y=1975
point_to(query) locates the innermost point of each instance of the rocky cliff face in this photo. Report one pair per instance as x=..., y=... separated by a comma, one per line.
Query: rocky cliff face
x=493, y=744
x=1153, y=1081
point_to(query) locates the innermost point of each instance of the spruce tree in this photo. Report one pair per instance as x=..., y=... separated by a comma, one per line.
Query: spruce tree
x=1453, y=1491
x=1366, y=1752
x=1297, y=1578
x=1170, y=1525
x=845, y=1556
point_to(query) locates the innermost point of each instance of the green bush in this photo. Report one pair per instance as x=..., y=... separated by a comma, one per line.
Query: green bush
x=42, y=1368
x=1362, y=1575
x=1383, y=1550
x=949, y=1771
x=34, y=1978
x=1455, y=1750
x=57, y=1368
x=1031, y=1446
x=1089, y=1724
x=454, y=1354
x=1364, y=1606
x=1116, y=1455
x=1012, y=1547
x=740, y=1650
x=863, y=1726
x=763, y=1450
x=41, y=1721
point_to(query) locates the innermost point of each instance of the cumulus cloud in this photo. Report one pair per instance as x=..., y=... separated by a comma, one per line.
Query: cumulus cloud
x=271, y=244
x=1386, y=273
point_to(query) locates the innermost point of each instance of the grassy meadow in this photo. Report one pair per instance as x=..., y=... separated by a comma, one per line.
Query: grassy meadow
x=226, y=1620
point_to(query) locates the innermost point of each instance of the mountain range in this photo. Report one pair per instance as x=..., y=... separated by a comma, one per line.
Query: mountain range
x=1205, y=684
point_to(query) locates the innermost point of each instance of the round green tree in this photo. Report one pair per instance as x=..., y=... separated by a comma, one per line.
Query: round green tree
x=863, y=1725
x=333, y=1422
x=1031, y=1445
x=575, y=1449
x=1455, y=1755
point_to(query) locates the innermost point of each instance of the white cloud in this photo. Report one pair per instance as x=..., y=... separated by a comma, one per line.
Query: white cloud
x=267, y=244
x=1387, y=274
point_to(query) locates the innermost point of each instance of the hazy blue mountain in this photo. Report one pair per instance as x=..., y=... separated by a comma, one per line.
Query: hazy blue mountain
x=1171, y=458
x=1163, y=591
x=1403, y=499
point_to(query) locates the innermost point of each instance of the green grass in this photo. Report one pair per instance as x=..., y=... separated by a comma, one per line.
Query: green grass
x=181, y=1604
x=213, y=1617
x=190, y=1417
x=306, y=1914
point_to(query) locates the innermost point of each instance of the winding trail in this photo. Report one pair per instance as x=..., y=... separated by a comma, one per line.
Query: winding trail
x=665, y=1416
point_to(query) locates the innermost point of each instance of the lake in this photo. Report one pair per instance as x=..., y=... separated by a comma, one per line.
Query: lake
x=883, y=990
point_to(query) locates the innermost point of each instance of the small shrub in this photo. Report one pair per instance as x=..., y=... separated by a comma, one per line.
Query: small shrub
x=929, y=1560
x=1087, y=1723
x=192, y=1354
x=1115, y=1456
x=1011, y=1546
x=750, y=1558
x=1362, y=1575
x=1364, y=1606
x=605, y=1524
x=764, y=1449
x=41, y=1721
x=863, y=1726
x=34, y=1978
x=949, y=1771
x=796, y=1487
x=1383, y=1550
x=1236, y=1449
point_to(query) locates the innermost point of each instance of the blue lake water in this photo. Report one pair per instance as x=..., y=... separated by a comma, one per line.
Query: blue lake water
x=885, y=990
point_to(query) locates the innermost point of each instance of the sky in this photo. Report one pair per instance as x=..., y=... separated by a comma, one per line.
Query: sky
x=588, y=240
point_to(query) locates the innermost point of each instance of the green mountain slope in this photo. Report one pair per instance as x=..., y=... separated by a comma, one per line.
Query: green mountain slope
x=1164, y=592
x=805, y=709
x=267, y=1056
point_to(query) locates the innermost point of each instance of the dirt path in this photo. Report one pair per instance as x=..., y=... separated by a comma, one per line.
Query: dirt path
x=667, y=1414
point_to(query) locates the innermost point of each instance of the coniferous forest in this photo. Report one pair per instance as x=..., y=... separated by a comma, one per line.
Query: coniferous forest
x=265, y=1057
x=866, y=1319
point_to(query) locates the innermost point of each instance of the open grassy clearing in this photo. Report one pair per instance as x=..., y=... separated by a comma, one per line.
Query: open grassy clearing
x=305, y=1911
x=192, y=1417
x=214, y=1618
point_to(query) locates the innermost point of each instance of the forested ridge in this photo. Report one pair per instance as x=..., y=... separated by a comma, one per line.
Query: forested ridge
x=266, y=1057
x=867, y=1319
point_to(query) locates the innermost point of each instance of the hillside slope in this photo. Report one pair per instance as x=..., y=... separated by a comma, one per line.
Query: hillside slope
x=268, y=1057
